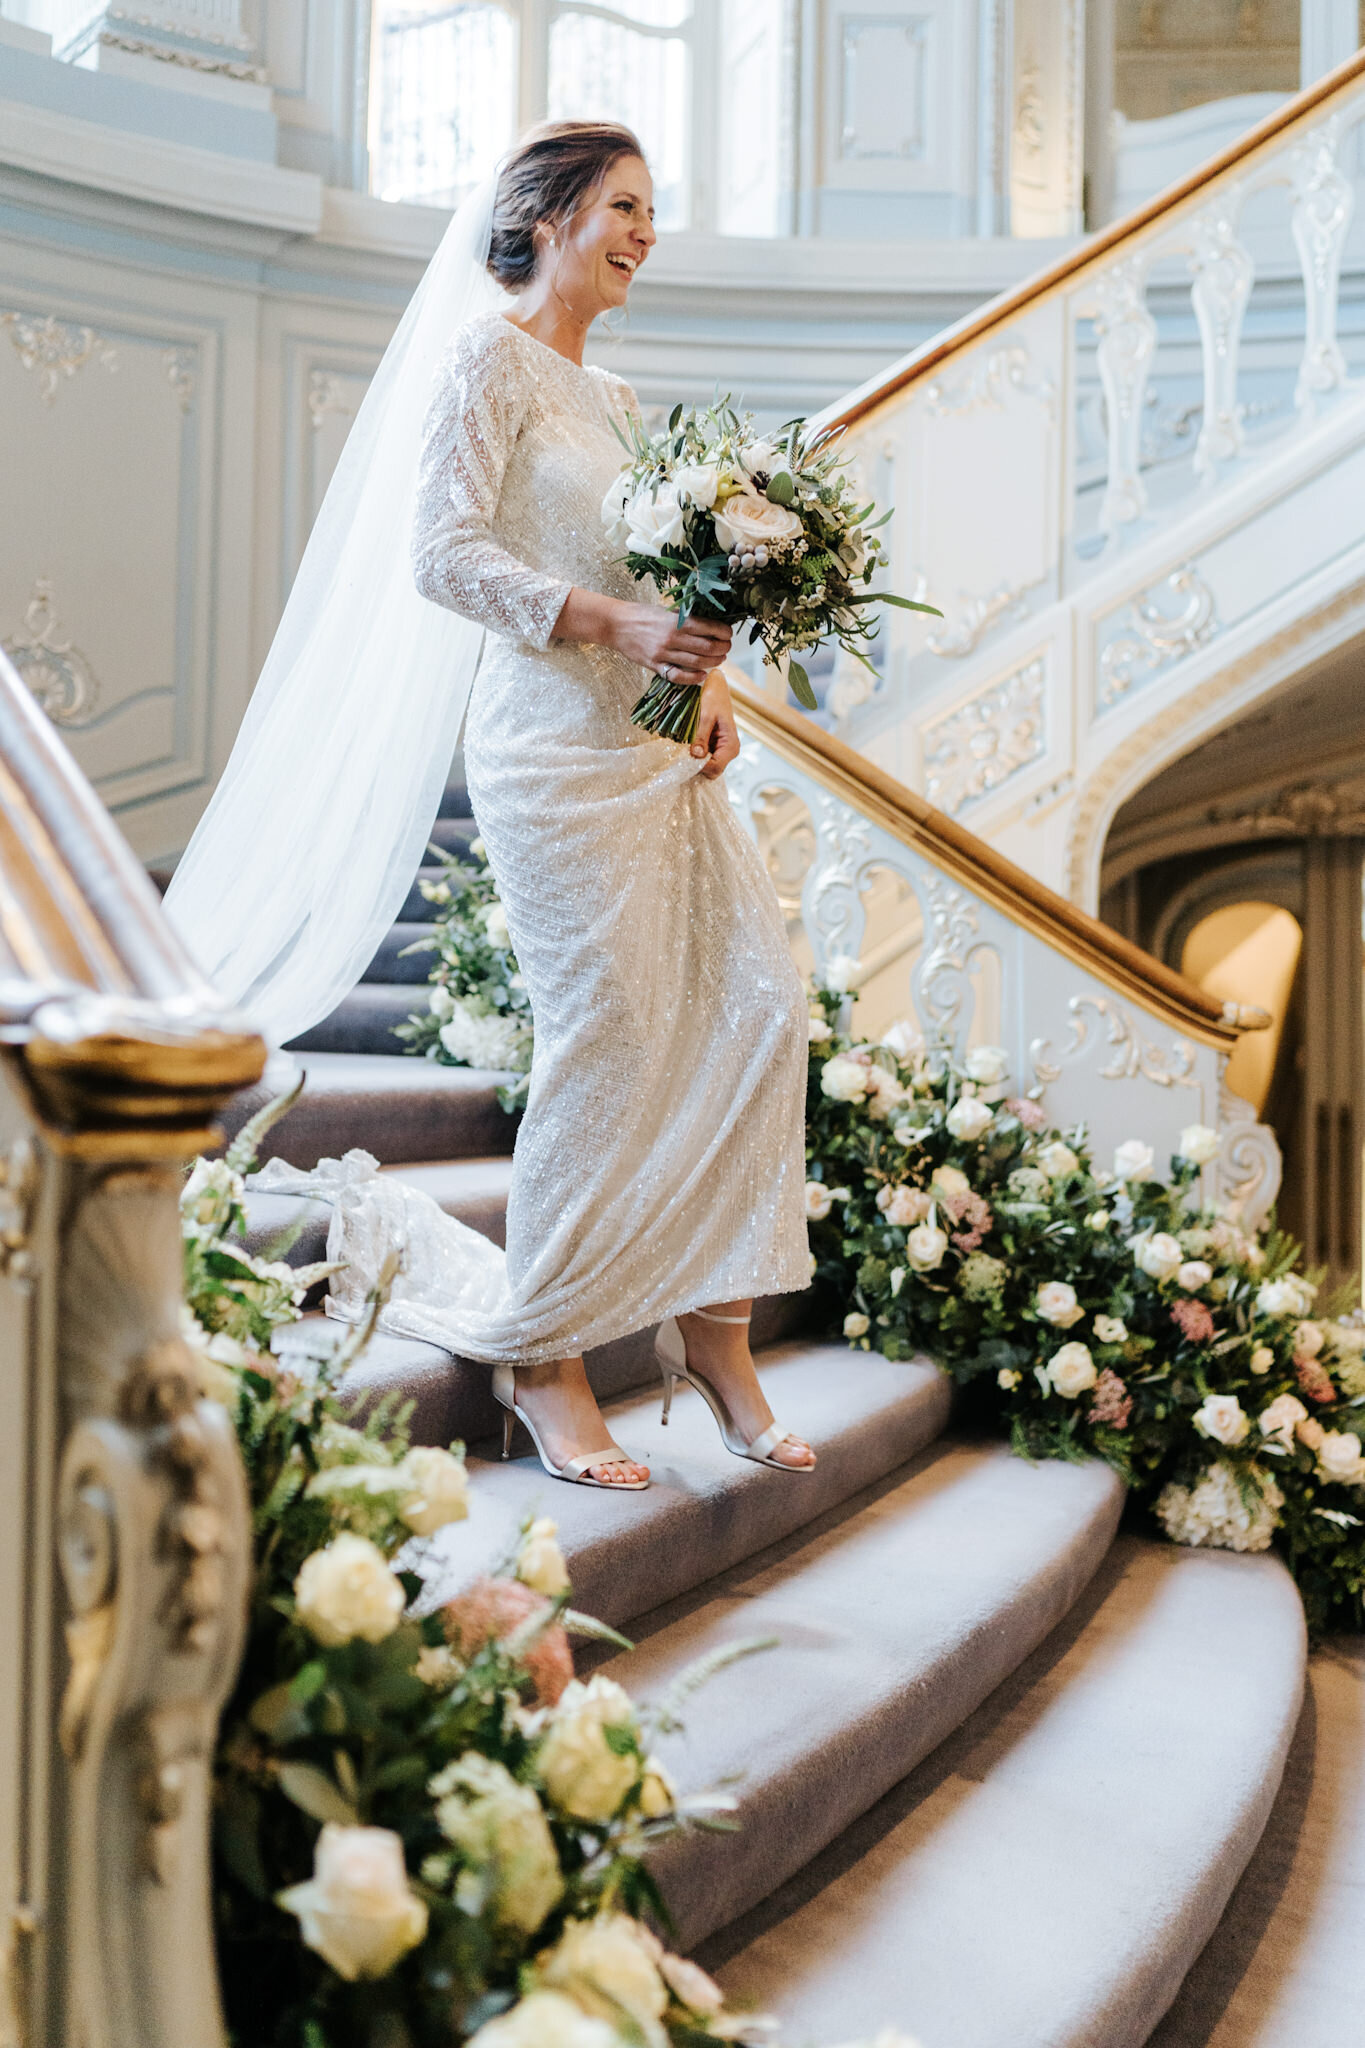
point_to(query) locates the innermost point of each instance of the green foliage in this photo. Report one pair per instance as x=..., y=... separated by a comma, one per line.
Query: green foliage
x=478, y=1009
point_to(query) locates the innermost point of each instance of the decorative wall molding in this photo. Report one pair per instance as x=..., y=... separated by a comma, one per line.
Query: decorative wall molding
x=979, y=745
x=977, y=616
x=58, y=674
x=181, y=368
x=1301, y=810
x=1149, y=638
x=986, y=388
x=1132, y=1056
x=55, y=348
x=327, y=393
x=190, y=60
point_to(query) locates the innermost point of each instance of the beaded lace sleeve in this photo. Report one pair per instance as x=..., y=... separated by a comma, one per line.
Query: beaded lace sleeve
x=476, y=412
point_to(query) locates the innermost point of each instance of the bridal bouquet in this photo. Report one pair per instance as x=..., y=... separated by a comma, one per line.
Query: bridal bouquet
x=733, y=527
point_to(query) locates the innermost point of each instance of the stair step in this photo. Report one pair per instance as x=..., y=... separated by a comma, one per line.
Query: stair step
x=895, y=1616
x=1283, y=1967
x=455, y=798
x=389, y=966
x=475, y=1190
x=453, y=834
x=1048, y=1877
x=704, y=1509
x=403, y=1110
x=363, y=1021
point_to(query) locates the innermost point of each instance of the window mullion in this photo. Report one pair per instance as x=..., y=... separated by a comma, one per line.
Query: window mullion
x=703, y=136
x=533, y=94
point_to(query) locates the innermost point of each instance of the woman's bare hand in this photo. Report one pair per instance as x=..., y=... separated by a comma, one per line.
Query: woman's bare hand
x=650, y=635
x=717, y=732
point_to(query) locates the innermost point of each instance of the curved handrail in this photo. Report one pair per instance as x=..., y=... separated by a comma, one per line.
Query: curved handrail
x=997, y=312
x=991, y=876
x=112, y=1022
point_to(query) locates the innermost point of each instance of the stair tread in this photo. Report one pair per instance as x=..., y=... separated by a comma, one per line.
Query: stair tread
x=705, y=1510
x=403, y=1110
x=362, y=1023
x=1082, y=1831
x=894, y=1619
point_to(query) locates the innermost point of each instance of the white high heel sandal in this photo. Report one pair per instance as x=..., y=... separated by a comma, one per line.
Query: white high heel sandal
x=576, y=1470
x=670, y=1348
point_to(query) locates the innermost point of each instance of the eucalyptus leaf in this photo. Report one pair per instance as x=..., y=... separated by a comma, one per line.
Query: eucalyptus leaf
x=781, y=490
x=315, y=1794
x=800, y=686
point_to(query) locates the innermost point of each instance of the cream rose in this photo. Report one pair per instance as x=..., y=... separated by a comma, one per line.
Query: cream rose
x=1057, y=1160
x=1071, y=1371
x=1193, y=1274
x=1308, y=1340
x=654, y=521
x=358, y=1910
x=1056, y=1303
x=495, y=924
x=1159, y=1256
x=1111, y=1329
x=1098, y=1220
x=1261, y=1359
x=1133, y=1160
x=435, y=1489
x=500, y=1829
x=968, y=1118
x=1279, y=1421
x=578, y=1767
x=907, y=1207
x=856, y=1324
x=546, y=2019
x=696, y=484
x=540, y=1561
x=987, y=1064
x=747, y=521
x=658, y=1794
x=347, y=1590
x=819, y=1201
x=947, y=1181
x=1200, y=1144
x=1339, y=1457
x=843, y=1079
x=903, y=1040
x=1310, y=1432
x=1007, y=1378
x=1288, y=1296
x=1222, y=1417
x=925, y=1247
x=818, y=1031
x=609, y=1966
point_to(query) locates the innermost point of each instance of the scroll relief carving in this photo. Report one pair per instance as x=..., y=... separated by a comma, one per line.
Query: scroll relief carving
x=326, y=393
x=977, y=616
x=987, y=386
x=1131, y=1056
x=1150, y=638
x=180, y=366
x=1248, y=1170
x=944, y=996
x=55, y=348
x=834, y=913
x=985, y=741
x=58, y=674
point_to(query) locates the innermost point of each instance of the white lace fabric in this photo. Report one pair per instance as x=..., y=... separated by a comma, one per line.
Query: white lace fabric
x=660, y=1164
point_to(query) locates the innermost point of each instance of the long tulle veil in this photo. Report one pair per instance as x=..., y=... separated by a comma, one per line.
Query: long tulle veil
x=303, y=857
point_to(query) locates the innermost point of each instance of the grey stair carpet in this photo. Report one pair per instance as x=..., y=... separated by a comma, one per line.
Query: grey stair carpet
x=402, y=1110
x=363, y=1021
x=1046, y=1879
x=704, y=1510
x=390, y=965
x=1283, y=1967
x=895, y=1616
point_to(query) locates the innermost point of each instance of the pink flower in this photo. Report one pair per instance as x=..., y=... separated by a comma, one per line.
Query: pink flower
x=1314, y=1380
x=1029, y=1114
x=976, y=1214
x=1193, y=1319
x=1111, y=1401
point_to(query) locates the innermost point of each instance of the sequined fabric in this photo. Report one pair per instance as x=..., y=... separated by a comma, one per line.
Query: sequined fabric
x=660, y=1162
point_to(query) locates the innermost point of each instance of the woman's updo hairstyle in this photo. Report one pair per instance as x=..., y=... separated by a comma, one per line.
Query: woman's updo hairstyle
x=546, y=178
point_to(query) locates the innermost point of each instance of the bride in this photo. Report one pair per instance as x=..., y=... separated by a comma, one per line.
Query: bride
x=659, y=1167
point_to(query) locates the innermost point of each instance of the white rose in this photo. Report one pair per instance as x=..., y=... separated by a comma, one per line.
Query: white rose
x=1056, y=1303
x=435, y=1489
x=1308, y=1340
x=619, y=492
x=947, y=1181
x=609, y=1966
x=1098, y=1220
x=1281, y=1418
x=856, y=1324
x=839, y=972
x=968, y=1118
x=1193, y=1274
x=696, y=484
x=1071, y=1371
x=1200, y=1144
x=358, y=1910
x=987, y=1064
x=1289, y=1296
x=577, y=1766
x=1339, y=1457
x=1007, y=1378
x=441, y=1003
x=1159, y=1256
x=750, y=521
x=925, y=1248
x=1057, y=1160
x=499, y=1827
x=1111, y=1329
x=843, y=1079
x=761, y=458
x=1133, y=1160
x=658, y=1795
x=546, y=2019
x=818, y=1031
x=495, y=925
x=1261, y=1359
x=903, y=1040
x=819, y=1201
x=906, y=1207
x=540, y=1561
x=1222, y=1417
x=654, y=521
x=347, y=1590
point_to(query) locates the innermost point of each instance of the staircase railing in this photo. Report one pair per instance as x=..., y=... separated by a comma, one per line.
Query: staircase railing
x=1135, y=512
x=124, y=1539
x=928, y=927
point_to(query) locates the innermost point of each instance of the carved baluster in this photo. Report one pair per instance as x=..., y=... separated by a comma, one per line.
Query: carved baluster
x=1127, y=343
x=1222, y=271
x=1323, y=205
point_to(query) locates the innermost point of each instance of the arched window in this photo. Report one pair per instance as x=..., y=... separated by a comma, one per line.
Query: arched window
x=453, y=82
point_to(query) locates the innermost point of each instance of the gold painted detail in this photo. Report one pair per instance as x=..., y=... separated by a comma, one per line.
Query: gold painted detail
x=56, y=672
x=55, y=348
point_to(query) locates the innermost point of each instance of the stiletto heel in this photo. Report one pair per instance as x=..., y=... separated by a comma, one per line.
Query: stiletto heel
x=576, y=1470
x=670, y=1348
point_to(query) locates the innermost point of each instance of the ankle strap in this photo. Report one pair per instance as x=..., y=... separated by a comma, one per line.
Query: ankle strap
x=707, y=1316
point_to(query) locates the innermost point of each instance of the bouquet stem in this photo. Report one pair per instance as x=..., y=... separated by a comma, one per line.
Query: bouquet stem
x=669, y=709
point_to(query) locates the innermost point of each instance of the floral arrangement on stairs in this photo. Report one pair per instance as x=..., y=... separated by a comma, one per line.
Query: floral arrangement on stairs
x=1099, y=1309
x=478, y=1013
x=426, y=1830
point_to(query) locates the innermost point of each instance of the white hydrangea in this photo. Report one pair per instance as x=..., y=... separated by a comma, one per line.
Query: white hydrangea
x=492, y=1041
x=1212, y=1514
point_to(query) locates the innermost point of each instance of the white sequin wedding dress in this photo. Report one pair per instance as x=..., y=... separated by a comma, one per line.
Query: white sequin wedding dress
x=660, y=1162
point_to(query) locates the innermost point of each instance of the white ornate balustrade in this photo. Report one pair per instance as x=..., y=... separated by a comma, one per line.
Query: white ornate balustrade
x=1131, y=536
x=921, y=923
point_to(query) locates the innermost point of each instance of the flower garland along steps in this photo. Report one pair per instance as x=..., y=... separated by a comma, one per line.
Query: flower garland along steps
x=1094, y=1309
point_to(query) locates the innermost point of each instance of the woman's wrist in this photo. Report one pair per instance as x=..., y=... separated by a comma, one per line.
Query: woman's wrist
x=589, y=617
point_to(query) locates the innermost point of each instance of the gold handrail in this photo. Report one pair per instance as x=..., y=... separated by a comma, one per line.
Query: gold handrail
x=109, y=1023
x=1295, y=113
x=989, y=875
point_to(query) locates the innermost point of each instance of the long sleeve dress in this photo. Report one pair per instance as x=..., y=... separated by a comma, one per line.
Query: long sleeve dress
x=660, y=1161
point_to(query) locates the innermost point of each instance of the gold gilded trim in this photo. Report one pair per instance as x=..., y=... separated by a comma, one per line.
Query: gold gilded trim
x=1083, y=940
x=1063, y=274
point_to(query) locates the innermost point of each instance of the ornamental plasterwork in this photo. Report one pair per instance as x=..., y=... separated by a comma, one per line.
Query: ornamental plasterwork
x=982, y=743
x=986, y=387
x=190, y=60
x=180, y=366
x=55, y=348
x=943, y=991
x=58, y=674
x=1150, y=637
x=1132, y=1057
x=1303, y=810
x=326, y=393
x=977, y=616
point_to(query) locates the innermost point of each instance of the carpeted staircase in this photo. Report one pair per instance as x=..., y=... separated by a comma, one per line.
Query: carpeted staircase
x=1004, y=1767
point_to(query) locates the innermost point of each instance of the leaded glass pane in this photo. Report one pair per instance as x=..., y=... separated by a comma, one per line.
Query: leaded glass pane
x=604, y=70
x=444, y=96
